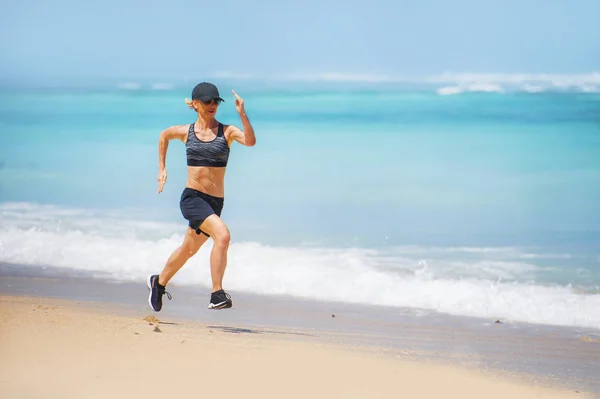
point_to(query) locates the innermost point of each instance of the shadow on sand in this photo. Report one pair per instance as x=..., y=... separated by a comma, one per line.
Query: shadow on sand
x=237, y=330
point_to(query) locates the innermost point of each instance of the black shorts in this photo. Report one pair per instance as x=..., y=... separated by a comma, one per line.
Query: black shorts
x=196, y=206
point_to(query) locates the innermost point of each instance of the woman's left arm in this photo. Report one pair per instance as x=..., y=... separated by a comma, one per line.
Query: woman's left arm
x=245, y=136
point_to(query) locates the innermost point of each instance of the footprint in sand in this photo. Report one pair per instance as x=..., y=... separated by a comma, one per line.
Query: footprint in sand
x=151, y=320
x=46, y=307
x=587, y=338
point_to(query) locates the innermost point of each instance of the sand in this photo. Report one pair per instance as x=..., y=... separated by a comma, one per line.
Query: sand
x=53, y=348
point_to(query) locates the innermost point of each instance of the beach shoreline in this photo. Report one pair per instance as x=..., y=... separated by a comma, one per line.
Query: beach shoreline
x=76, y=349
x=550, y=359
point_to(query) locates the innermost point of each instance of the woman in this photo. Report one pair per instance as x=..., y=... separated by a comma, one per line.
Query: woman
x=207, y=143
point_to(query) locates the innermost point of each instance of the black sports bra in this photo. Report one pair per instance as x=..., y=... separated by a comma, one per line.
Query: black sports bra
x=207, y=153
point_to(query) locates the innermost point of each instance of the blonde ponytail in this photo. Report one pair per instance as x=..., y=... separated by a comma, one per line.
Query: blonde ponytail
x=190, y=104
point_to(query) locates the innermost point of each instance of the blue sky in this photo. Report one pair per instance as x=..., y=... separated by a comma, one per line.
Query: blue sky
x=188, y=38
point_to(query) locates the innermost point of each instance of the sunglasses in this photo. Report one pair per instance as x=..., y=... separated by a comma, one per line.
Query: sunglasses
x=217, y=101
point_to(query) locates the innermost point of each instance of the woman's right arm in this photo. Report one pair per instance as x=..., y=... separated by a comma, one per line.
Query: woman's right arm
x=174, y=132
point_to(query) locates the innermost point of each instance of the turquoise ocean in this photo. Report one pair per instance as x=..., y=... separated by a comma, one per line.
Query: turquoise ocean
x=468, y=201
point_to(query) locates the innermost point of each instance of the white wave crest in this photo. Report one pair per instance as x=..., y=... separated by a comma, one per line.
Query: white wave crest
x=449, y=90
x=516, y=78
x=585, y=88
x=531, y=83
x=460, y=82
x=529, y=88
x=472, y=87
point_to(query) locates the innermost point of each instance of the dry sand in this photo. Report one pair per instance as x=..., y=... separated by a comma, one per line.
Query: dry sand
x=65, y=349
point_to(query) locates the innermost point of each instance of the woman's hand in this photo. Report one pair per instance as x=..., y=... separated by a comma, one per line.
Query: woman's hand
x=239, y=103
x=162, y=179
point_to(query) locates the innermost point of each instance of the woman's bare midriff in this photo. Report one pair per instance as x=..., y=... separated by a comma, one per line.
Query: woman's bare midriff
x=209, y=180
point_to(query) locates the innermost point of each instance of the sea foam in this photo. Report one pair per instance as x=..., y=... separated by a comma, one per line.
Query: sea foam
x=493, y=283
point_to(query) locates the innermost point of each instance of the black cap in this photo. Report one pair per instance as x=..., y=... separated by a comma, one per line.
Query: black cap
x=205, y=92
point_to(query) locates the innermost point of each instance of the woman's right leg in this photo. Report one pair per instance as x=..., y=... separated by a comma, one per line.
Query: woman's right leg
x=156, y=283
x=191, y=244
